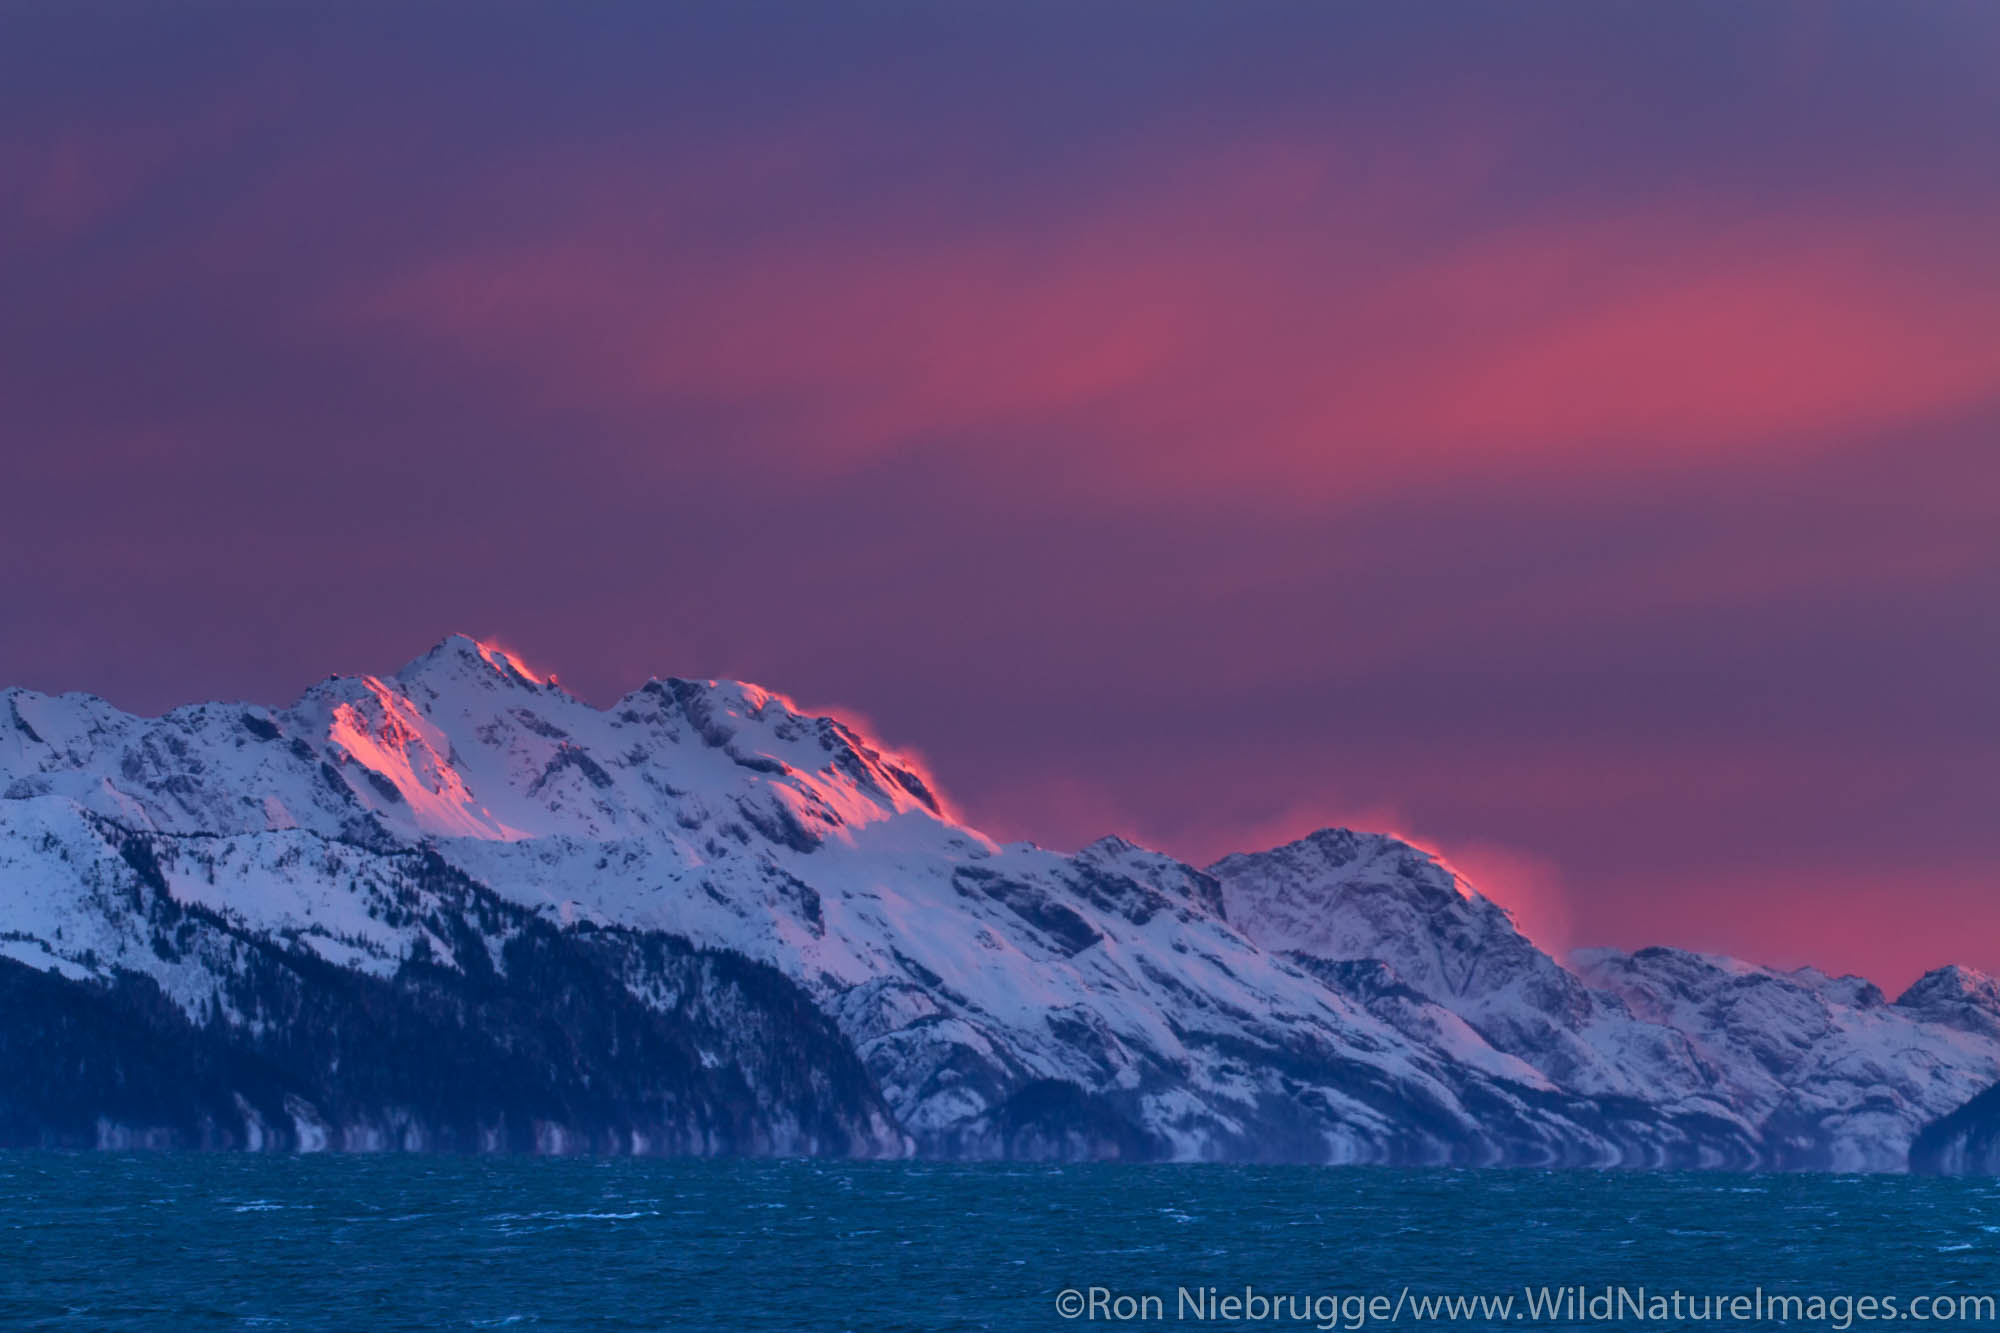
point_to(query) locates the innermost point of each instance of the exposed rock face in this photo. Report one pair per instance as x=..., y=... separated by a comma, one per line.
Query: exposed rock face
x=458, y=908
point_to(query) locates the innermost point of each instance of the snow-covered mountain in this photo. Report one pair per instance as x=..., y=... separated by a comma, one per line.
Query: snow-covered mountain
x=460, y=907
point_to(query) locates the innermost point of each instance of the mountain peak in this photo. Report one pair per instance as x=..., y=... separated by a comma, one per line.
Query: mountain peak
x=1331, y=849
x=464, y=653
x=1953, y=984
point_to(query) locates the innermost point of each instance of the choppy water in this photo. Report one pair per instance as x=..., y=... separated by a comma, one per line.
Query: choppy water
x=238, y=1242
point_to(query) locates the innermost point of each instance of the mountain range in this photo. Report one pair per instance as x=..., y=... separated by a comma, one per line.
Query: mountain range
x=458, y=908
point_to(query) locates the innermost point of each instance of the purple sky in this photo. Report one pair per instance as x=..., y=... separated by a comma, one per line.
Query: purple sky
x=1563, y=434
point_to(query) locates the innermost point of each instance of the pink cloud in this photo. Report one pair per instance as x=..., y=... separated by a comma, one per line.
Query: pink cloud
x=1236, y=323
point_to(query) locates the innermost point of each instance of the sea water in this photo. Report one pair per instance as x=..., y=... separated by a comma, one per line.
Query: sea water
x=173, y=1242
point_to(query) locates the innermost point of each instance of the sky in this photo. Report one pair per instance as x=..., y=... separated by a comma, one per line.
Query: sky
x=1567, y=435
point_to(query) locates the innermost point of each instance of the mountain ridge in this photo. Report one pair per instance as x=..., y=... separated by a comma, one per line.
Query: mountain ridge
x=1345, y=997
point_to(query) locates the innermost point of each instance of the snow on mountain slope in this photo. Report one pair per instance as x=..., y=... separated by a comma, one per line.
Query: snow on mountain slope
x=72, y=897
x=1343, y=998
x=282, y=989
x=1340, y=895
x=1824, y=1071
x=1837, y=1076
x=1959, y=997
